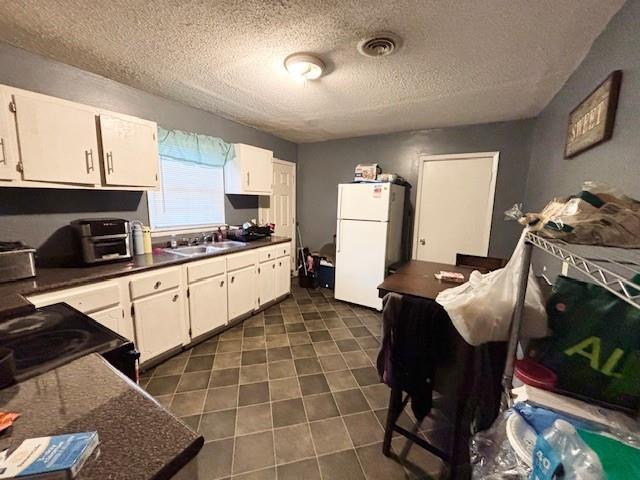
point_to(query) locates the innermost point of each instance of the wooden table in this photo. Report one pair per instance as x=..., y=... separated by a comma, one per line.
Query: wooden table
x=455, y=382
x=416, y=278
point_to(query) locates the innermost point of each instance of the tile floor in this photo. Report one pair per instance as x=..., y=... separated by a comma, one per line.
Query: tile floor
x=291, y=393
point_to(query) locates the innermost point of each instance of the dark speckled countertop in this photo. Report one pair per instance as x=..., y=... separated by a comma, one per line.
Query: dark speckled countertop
x=12, y=294
x=139, y=439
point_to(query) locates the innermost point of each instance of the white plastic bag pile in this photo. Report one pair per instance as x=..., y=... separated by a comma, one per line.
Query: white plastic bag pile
x=482, y=308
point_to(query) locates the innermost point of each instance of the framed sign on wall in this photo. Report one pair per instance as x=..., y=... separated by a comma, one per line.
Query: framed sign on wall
x=591, y=122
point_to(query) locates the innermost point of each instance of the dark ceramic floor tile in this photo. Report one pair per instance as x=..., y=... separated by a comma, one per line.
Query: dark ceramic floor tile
x=253, y=373
x=277, y=341
x=284, y=388
x=164, y=400
x=320, y=336
x=307, y=366
x=360, y=331
x=200, y=363
x=230, y=346
x=364, y=428
x=253, y=452
x=264, y=474
x=254, y=418
x=295, y=327
x=321, y=406
x=351, y=401
x=315, y=325
x=334, y=323
x=221, y=378
x=226, y=360
x=378, y=467
x=329, y=314
x=366, y=376
x=342, y=380
x=326, y=348
x=331, y=363
x=205, y=348
x=190, y=403
x=254, y=343
x=418, y=462
x=301, y=338
x=217, y=425
x=347, y=345
x=173, y=366
x=288, y=412
x=281, y=369
x=341, y=465
x=356, y=359
x=377, y=395
x=273, y=319
x=278, y=353
x=404, y=421
x=163, y=385
x=191, y=421
x=215, y=459
x=303, y=301
x=330, y=436
x=274, y=330
x=303, y=351
x=193, y=381
x=352, y=322
x=253, y=357
x=311, y=316
x=221, y=398
x=303, y=470
x=312, y=384
x=253, y=393
x=253, y=331
x=293, y=443
x=368, y=342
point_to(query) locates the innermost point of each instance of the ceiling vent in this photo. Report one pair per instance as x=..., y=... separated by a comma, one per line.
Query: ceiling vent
x=379, y=45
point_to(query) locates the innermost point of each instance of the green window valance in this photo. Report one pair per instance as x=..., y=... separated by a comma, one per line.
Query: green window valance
x=194, y=147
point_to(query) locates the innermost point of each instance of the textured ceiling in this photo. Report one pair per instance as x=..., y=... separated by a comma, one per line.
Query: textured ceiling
x=462, y=62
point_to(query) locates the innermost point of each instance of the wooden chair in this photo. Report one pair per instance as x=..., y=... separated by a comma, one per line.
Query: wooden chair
x=486, y=263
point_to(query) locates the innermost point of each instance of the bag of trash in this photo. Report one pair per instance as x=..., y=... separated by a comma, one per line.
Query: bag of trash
x=482, y=308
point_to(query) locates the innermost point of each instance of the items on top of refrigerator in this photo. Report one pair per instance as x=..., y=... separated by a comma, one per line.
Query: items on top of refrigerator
x=453, y=277
x=597, y=215
x=367, y=172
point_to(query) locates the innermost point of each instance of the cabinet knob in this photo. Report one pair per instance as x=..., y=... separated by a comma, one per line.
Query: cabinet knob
x=279, y=264
x=268, y=255
x=157, y=285
x=273, y=266
x=175, y=297
x=258, y=269
x=232, y=279
x=222, y=283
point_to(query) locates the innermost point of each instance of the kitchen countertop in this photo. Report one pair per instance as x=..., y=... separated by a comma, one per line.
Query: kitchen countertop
x=12, y=294
x=139, y=439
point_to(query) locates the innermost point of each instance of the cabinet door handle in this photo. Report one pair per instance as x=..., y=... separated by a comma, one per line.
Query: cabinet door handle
x=258, y=269
x=248, y=179
x=273, y=266
x=175, y=297
x=279, y=264
x=268, y=255
x=222, y=283
x=88, y=158
x=157, y=285
x=4, y=154
x=232, y=279
x=110, y=162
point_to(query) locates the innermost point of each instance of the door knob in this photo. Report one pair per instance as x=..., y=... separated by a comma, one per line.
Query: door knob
x=422, y=241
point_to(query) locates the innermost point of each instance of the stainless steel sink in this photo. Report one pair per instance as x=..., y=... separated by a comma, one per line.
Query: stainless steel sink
x=192, y=251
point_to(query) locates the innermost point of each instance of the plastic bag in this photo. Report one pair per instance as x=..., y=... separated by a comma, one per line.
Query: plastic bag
x=482, y=308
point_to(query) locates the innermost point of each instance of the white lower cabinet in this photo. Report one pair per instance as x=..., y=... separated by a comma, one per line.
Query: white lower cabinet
x=266, y=282
x=241, y=291
x=208, y=304
x=158, y=321
x=110, y=317
x=283, y=276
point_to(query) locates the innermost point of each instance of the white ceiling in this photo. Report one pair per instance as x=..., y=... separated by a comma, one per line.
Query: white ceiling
x=463, y=61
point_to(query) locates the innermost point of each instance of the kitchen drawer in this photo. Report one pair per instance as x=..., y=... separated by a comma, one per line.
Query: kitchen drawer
x=283, y=250
x=240, y=260
x=205, y=269
x=268, y=253
x=87, y=299
x=157, y=281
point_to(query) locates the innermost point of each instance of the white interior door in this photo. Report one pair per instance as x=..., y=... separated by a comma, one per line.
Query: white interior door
x=454, y=206
x=280, y=207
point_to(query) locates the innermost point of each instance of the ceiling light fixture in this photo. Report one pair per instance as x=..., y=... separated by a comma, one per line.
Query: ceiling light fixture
x=304, y=65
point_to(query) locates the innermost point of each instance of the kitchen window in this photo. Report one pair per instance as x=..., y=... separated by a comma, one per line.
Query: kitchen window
x=191, y=193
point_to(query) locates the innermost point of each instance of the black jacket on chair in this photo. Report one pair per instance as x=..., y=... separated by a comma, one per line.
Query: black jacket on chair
x=416, y=333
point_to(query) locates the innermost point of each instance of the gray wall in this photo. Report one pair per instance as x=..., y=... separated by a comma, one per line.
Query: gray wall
x=38, y=216
x=321, y=166
x=615, y=162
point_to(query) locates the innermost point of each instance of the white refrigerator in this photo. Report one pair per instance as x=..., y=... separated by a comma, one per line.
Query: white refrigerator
x=368, y=239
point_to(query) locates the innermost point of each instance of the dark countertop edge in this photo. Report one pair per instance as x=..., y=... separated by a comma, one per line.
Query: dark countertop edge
x=14, y=302
x=175, y=465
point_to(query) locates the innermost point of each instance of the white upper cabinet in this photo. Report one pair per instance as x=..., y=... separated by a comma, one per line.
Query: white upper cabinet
x=250, y=171
x=57, y=140
x=129, y=151
x=49, y=142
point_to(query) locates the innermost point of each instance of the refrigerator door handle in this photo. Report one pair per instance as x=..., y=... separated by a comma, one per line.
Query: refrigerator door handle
x=339, y=201
x=338, y=237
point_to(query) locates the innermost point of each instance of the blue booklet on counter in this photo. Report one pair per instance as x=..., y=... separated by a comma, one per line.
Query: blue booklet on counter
x=55, y=458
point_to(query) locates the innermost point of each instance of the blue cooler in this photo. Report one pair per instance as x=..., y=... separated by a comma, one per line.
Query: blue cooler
x=326, y=275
